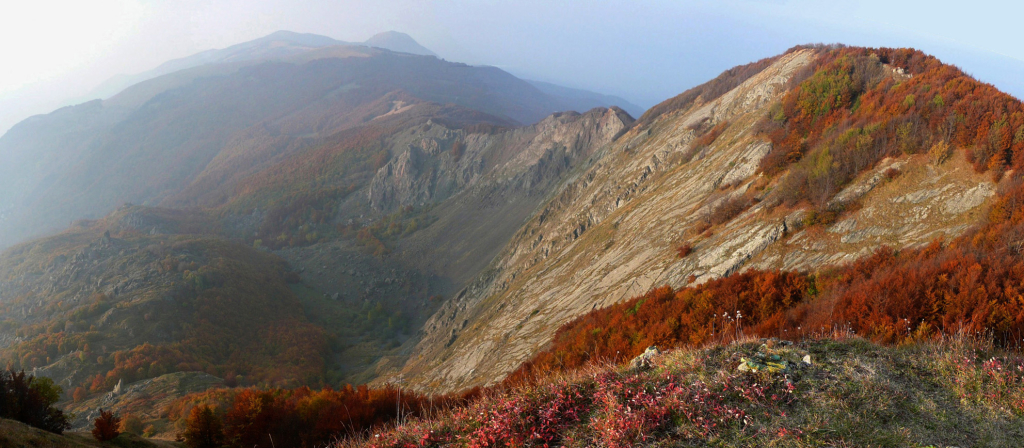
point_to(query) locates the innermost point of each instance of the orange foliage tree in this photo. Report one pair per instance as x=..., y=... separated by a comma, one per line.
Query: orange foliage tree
x=203, y=429
x=106, y=426
x=304, y=417
x=720, y=310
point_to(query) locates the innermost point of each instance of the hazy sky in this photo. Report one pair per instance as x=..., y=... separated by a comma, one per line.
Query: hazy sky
x=645, y=51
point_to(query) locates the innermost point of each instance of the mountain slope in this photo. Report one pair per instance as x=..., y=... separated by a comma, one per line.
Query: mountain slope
x=147, y=144
x=559, y=265
x=425, y=222
x=150, y=291
x=158, y=292
x=698, y=190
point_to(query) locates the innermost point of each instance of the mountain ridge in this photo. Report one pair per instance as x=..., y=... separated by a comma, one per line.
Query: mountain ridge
x=343, y=81
x=274, y=45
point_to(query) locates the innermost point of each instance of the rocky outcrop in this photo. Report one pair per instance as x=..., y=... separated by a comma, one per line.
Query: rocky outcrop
x=431, y=163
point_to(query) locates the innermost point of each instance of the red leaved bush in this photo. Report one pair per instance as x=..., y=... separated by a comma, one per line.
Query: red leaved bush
x=107, y=426
x=535, y=419
x=606, y=409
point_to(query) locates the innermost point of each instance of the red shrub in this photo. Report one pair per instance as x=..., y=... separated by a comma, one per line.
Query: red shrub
x=106, y=426
x=204, y=429
x=79, y=394
x=306, y=418
x=860, y=105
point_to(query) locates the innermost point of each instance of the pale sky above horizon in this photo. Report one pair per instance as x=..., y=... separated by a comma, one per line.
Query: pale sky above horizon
x=644, y=51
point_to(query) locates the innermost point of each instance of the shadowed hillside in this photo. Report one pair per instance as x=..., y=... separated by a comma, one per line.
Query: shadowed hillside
x=149, y=142
x=114, y=301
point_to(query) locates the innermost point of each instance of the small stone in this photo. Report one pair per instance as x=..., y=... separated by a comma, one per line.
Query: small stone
x=807, y=359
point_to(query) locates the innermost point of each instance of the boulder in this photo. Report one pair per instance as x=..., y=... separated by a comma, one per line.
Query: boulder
x=775, y=356
x=646, y=360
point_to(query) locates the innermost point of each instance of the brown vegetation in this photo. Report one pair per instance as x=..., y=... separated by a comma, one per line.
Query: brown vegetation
x=299, y=417
x=106, y=426
x=859, y=105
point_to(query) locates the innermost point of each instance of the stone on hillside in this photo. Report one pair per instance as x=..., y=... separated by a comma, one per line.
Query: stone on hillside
x=646, y=360
x=775, y=356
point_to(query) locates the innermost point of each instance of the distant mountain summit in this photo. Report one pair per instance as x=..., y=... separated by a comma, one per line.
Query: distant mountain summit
x=400, y=42
x=279, y=44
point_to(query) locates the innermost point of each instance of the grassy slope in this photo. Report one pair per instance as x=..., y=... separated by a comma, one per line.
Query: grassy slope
x=14, y=434
x=855, y=393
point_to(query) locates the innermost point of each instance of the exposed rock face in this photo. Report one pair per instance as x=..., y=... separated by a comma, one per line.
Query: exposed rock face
x=432, y=162
x=474, y=189
x=610, y=233
x=482, y=187
x=923, y=203
x=400, y=181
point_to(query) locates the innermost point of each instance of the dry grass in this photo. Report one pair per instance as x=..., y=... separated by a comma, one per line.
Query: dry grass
x=15, y=434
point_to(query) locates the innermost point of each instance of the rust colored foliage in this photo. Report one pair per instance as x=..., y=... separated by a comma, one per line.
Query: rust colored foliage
x=973, y=284
x=752, y=302
x=711, y=135
x=897, y=297
x=106, y=426
x=79, y=394
x=854, y=106
x=203, y=429
x=304, y=417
